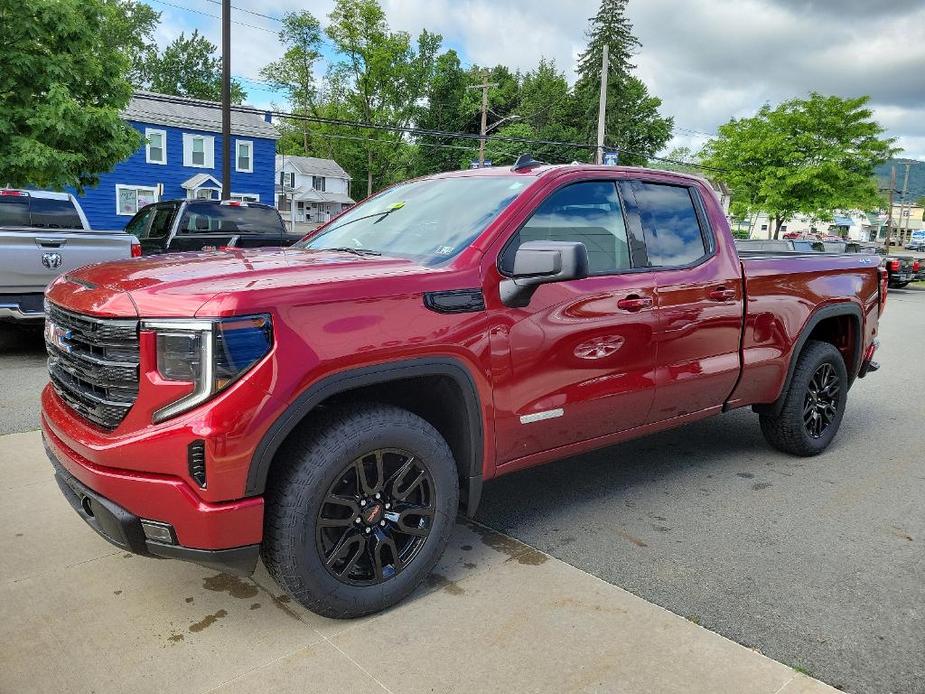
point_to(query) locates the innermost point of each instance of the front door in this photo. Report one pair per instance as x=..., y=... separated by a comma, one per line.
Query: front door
x=699, y=301
x=579, y=361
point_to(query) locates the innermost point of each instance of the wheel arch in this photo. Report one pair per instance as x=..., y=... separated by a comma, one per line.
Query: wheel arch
x=391, y=382
x=825, y=324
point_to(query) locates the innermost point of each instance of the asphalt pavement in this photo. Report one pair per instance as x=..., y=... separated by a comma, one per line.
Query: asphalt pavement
x=817, y=563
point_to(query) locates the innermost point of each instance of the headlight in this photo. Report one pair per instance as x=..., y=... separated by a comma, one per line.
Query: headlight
x=210, y=354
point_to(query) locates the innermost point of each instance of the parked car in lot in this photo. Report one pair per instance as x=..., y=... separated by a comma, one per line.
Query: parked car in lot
x=42, y=234
x=196, y=225
x=916, y=241
x=901, y=270
x=331, y=406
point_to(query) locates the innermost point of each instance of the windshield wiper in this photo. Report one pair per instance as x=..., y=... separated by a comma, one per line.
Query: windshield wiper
x=381, y=214
x=350, y=249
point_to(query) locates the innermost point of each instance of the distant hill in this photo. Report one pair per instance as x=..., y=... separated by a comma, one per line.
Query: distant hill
x=916, y=177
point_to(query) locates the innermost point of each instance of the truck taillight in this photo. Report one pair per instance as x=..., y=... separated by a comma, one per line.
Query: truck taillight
x=894, y=265
x=13, y=193
x=136, y=249
x=915, y=266
x=884, y=286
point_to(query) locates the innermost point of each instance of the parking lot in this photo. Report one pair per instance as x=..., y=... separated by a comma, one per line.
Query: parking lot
x=817, y=563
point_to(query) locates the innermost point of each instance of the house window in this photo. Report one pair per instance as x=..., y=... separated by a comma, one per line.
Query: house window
x=130, y=199
x=244, y=151
x=156, y=146
x=245, y=197
x=318, y=183
x=198, y=151
x=783, y=227
x=287, y=179
x=764, y=227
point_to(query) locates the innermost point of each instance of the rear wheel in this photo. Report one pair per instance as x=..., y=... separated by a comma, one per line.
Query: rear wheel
x=814, y=404
x=361, y=512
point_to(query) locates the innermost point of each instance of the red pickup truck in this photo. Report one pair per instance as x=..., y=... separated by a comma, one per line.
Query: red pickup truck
x=331, y=406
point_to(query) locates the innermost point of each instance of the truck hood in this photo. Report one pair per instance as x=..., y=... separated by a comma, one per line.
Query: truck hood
x=179, y=284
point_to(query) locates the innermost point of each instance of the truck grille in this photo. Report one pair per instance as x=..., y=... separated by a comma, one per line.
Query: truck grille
x=93, y=364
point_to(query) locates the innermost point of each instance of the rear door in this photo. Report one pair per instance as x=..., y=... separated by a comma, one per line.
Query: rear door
x=699, y=286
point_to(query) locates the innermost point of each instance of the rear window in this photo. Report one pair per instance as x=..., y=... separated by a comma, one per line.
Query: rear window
x=48, y=213
x=41, y=213
x=208, y=217
x=14, y=211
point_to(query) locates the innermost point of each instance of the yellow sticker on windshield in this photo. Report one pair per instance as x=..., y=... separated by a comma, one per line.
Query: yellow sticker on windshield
x=396, y=205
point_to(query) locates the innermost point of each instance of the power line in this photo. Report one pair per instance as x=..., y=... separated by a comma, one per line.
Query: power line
x=214, y=16
x=242, y=9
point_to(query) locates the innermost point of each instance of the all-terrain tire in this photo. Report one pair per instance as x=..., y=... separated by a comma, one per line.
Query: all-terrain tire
x=787, y=431
x=311, y=461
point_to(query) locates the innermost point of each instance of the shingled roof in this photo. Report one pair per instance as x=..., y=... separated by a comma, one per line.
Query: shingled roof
x=196, y=114
x=312, y=166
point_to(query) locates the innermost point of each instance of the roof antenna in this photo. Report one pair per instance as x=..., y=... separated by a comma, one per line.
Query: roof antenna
x=526, y=161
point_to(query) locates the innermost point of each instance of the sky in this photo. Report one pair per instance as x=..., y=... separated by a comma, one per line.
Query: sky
x=708, y=60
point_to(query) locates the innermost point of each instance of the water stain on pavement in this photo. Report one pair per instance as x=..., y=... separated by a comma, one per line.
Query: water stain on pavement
x=175, y=638
x=758, y=486
x=470, y=565
x=190, y=599
x=635, y=540
x=117, y=592
x=233, y=585
x=440, y=581
x=744, y=475
x=255, y=606
x=516, y=551
x=207, y=621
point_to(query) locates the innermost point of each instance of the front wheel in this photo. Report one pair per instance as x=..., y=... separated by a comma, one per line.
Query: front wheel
x=814, y=403
x=362, y=510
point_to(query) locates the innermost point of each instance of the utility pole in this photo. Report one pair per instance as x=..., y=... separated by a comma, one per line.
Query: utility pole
x=484, y=86
x=902, y=203
x=226, y=100
x=889, y=219
x=602, y=107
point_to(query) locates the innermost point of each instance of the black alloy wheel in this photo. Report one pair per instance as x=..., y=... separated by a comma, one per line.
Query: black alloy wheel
x=376, y=517
x=820, y=406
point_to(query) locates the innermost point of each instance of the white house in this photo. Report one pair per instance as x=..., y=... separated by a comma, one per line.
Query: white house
x=853, y=225
x=310, y=190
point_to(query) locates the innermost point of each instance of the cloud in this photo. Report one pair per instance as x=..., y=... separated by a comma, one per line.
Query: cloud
x=709, y=60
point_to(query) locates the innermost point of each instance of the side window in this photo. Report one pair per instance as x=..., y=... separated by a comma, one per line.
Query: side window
x=160, y=224
x=672, y=230
x=587, y=212
x=137, y=225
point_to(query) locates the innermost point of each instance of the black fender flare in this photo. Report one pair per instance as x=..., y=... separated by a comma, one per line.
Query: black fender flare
x=470, y=470
x=816, y=317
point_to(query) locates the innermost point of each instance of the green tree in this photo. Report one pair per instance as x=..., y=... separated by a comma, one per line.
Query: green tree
x=681, y=159
x=549, y=107
x=633, y=124
x=448, y=109
x=63, y=84
x=134, y=29
x=189, y=67
x=294, y=73
x=810, y=156
x=390, y=76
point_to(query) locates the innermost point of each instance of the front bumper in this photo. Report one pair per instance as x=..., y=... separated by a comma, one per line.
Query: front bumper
x=124, y=529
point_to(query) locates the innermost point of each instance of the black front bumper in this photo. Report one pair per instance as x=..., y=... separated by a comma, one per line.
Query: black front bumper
x=123, y=529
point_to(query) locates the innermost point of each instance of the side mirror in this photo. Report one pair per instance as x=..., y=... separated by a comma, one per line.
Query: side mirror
x=543, y=262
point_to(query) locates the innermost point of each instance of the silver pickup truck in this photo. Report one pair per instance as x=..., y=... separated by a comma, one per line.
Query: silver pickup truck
x=42, y=235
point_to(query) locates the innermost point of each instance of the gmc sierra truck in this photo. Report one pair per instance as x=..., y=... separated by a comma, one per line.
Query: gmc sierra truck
x=331, y=406
x=42, y=234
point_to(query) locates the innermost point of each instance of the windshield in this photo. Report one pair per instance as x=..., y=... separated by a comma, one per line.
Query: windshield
x=430, y=221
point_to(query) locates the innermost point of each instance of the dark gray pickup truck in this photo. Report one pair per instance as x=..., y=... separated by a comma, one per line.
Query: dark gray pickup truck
x=44, y=234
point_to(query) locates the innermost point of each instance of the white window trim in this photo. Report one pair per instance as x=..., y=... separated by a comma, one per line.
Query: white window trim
x=239, y=196
x=126, y=186
x=237, y=156
x=163, y=134
x=208, y=151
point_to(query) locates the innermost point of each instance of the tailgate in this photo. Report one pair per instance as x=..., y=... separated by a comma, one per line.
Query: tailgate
x=31, y=258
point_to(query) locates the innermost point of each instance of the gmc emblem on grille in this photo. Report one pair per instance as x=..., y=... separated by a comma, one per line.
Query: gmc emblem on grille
x=51, y=260
x=58, y=336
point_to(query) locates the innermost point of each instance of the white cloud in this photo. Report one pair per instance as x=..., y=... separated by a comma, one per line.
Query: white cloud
x=709, y=60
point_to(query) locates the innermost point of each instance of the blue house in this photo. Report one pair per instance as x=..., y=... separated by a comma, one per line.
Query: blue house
x=181, y=157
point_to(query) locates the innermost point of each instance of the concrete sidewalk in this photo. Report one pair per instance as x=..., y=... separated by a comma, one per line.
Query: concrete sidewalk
x=77, y=615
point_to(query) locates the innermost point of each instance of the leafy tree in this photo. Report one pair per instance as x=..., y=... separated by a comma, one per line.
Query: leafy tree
x=633, y=123
x=681, y=159
x=189, y=67
x=390, y=76
x=294, y=73
x=134, y=28
x=810, y=156
x=549, y=107
x=449, y=109
x=63, y=84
